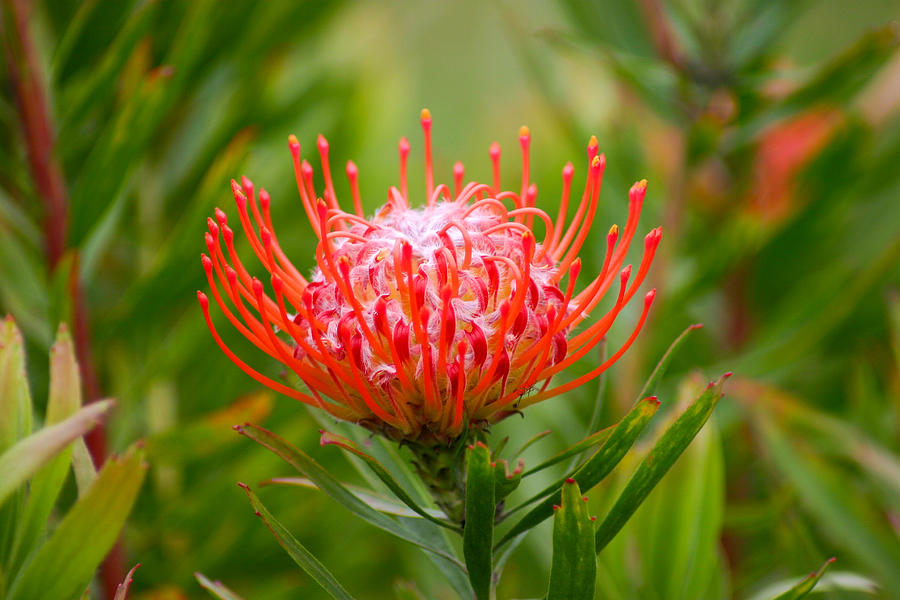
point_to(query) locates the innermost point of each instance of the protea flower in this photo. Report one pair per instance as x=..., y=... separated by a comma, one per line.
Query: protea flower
x=424, y=323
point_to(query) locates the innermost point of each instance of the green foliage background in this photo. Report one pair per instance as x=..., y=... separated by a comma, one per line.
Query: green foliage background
x=157, y=104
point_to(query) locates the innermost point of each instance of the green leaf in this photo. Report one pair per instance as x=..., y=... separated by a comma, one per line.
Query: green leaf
x=846, y=519
x=594, y=469
x=216, y=588
x=679, y=524
x=336, y=490
x=15, y=398
x=386, y=478
x=805, y=587
x=481, y=509
x=573, y=571
x=15, y=422
x=83, y=466
x=24, y=459
x=64, y=401
x=663, y=455
x=64, y=565
x=297, y=551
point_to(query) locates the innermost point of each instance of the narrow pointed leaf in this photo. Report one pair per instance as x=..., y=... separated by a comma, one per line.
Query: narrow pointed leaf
x=15, y=422
x=384, y=476
x=805, y=587
x=573, y=571
x=22, y=460
x=216, y=588
x=122, y=588
x=298, y=551
x=65, y=564
x=15, y=398
x=480, y=511
x=846, y=519
x=64, y=401
x=595, y=469
x=305, y=465
x=663, y=455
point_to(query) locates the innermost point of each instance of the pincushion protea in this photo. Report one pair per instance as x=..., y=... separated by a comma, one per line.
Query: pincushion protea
x=424, y=323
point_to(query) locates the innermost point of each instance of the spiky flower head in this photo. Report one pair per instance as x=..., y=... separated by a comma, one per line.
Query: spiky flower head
x=422, y=323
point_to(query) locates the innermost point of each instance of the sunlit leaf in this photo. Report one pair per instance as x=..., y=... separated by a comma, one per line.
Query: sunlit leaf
x=64, y=565
x=24, y=459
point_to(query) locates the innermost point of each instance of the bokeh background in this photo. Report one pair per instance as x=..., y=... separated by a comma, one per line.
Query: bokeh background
x=769, y=133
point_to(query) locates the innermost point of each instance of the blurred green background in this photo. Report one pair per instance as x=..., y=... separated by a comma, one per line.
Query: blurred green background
x=769, y=133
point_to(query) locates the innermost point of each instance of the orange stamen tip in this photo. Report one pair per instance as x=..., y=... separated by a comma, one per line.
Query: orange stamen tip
x=293, y=142
x=425, y=115
x=596, y=161
x=614, y=231
x=593, y=143
x=640, y=186
x=524, y=133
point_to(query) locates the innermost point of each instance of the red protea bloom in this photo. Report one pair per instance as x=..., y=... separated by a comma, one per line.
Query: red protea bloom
x=421, y=322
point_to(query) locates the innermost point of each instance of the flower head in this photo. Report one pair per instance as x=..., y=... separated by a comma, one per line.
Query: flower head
x=421, y=322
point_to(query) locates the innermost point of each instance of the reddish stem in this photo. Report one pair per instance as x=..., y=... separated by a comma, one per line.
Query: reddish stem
x=50, y=187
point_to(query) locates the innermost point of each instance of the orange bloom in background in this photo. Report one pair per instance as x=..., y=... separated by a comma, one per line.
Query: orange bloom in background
x=784, y=150
x=419, y=323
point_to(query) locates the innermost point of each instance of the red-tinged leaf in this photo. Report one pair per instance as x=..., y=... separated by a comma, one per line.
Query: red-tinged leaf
x=573, y=571
x=656, y=464
x=594, y=470
x=805, y=586
x=122, y=588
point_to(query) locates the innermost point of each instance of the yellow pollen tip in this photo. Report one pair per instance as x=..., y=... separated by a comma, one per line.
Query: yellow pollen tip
x=524, y=131
x=614, y=230
x=426, y=114
x=292, y=139
x=593, y=143
x=596, y=161
x=641, y=185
